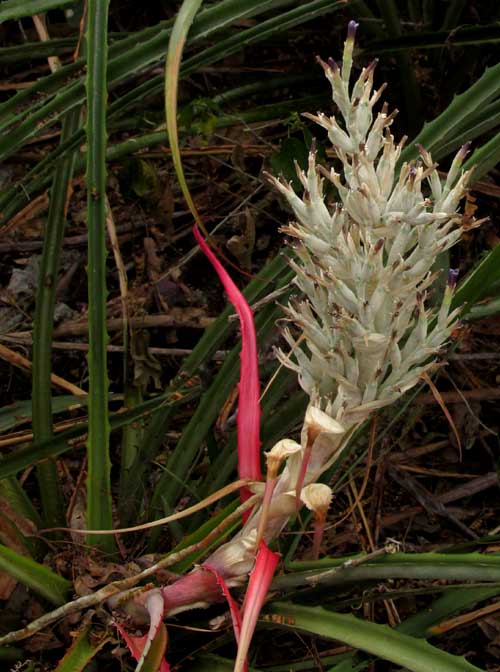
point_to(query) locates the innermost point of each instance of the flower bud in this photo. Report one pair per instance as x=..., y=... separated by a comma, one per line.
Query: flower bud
x=279, y=452
x=317, y=497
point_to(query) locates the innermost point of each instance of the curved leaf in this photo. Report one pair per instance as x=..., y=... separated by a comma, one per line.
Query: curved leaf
x=379, y=640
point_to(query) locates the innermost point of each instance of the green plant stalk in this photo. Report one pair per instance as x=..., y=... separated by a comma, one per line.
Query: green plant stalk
x=453, y=566
x=39, y=578
x=50, y=488
x=379, y=640
x=99, y=507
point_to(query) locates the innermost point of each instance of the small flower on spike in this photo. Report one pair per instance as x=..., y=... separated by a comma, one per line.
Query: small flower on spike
x=317, y=497
x=316, y=422
x=274, y=458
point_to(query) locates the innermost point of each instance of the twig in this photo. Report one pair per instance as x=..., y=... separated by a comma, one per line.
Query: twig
x=21, y=362
x=195, y=319
x=123, y=584
x=349, y=564
x=218, y=356
x=41, y=28
x=453, y=397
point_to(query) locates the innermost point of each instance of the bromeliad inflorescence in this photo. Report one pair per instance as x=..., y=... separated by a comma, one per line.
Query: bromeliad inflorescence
x=360, y=334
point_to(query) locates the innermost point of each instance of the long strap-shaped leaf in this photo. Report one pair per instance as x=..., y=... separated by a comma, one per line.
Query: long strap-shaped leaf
x=380, y=640
x=451, y=120
x=39, y=578
x=176, y=44
x=99, y=514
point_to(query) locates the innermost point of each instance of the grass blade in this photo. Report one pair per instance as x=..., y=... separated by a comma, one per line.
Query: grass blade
x=99, y=511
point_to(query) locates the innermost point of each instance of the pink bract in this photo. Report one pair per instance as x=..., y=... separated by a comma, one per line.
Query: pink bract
x=249, y=386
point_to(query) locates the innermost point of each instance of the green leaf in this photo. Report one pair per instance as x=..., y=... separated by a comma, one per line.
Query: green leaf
x=19, y=412
x=81, y=652
x=10, y=654
x=461, y=37
x=447, y=605
x=379, y=640
x=182, y=24
x=283, y=160
x=99, y=507
x=16, y=9
x=484, y=158
x=39, y=578
x=156, y=653
x=43, y=327
x=446, y=126
x=478, y=282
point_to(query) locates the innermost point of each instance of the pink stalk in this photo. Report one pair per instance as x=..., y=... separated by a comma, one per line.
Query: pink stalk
x=266, y=505
x=302, y=473
x=319, y=530
x=258, y=585
x=248, y=421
